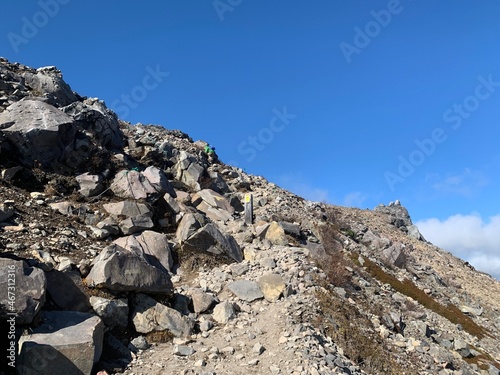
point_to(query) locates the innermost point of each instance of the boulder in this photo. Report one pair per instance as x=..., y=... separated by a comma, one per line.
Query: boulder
x=152, y=246
x=95, y=119
x=149, y=315
x=214, y=205
x=64, y=289
x=223, y=312
x=28, y=295
x=291, y=229
x=90, y=184
x=188, y=171
x=159, y=181
x=217, y=183
x=246, y=290
x=140, y=276
x=136, y=224
x=113, y=312
x=272, y=286
x=394, y=255
x=49, y=81
x=188, y=225
x=276, y=234
x=150, y=184
x=201, y=301
x=213, y=199
x=6, y=212
x=415, y=233
x=210, y=239
x=66, y=343
x=127, y=209
x=39, y=131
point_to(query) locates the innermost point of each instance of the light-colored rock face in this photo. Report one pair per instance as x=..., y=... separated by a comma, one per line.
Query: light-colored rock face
x=276, y=234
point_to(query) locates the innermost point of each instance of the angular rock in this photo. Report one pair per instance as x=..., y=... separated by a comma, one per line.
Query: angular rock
x=152, y=246
x=93, y=117
x=128, y=209
x=114, y=313
x=223, y=312
x=149, y=184
x=394, y=256
x=159, y=181
x=291, y=229
x=189, y=224
x=136, y=224
x=201, y=301
x=213, y=199
x=64, y=208
x=172, y=203
x=276, y=234
x=38, y=130
x=28, y=295
x=6, y=212
x=246, y=290
x=149, y=315
x=90, y=185
x=49, y=81
x=462, y=348
x=64, y=290
x=210, y=239
x=140, y=276
x=272, y=286
x=183, y=350
x=66, y=343
x=192, y=175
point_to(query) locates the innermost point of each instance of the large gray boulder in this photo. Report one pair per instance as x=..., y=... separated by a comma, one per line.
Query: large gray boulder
x=39, y=131
x=136, y=224
x=214, y=205
x=66, y=343
x=90, y=184
x=114, y=313
x=149, y=315
x=211, y=240
x=150, y=184
x=64, y=289
x=246, y=290
x=128, y=208
x=49, y=82
x=394, y=255
x=188, y=171
x=93, y=117
x=152, y=246
x=22, y=290
x=119, y=269
x=188, y=225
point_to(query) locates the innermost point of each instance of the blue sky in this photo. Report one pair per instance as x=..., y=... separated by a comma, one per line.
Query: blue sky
x=352, y=102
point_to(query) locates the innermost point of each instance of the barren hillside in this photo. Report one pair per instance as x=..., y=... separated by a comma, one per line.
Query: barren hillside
x=126, y=249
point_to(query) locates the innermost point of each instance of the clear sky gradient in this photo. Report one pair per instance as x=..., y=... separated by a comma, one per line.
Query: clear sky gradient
x=352, y=102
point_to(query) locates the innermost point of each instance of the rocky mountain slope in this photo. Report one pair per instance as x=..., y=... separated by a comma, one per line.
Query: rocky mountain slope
x=126, y=248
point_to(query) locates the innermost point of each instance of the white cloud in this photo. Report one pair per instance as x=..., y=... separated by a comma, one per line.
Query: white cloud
x=469, y=237
x=464, y=183
x=355, y=199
